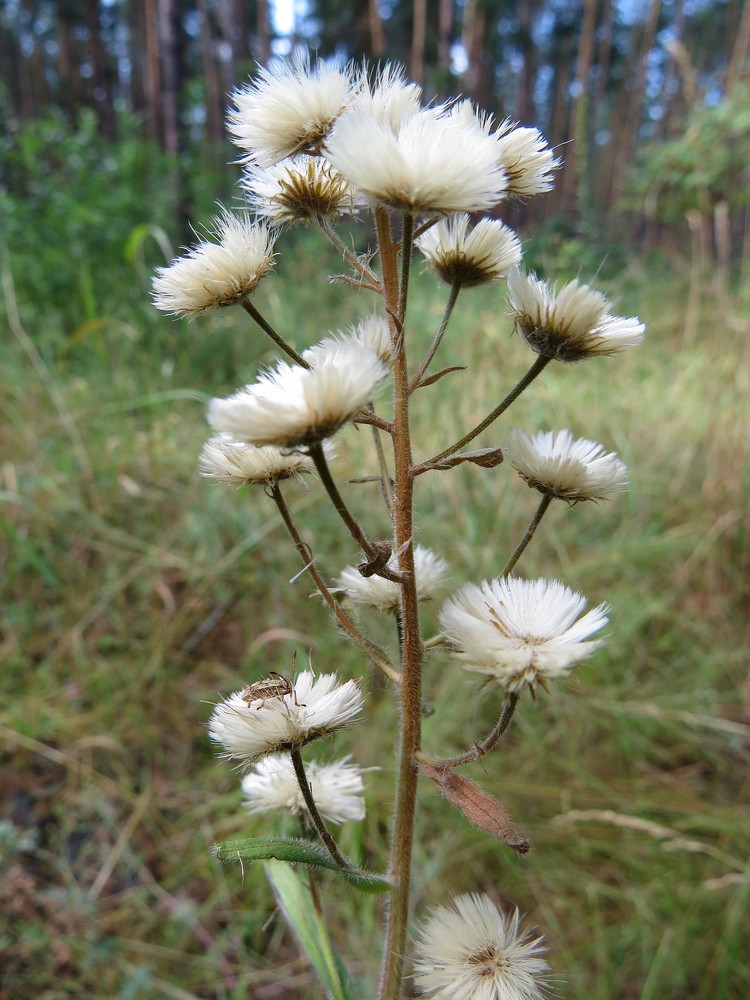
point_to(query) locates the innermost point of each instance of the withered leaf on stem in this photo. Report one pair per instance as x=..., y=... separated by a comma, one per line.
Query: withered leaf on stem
x=485, y=458
x=479, y=807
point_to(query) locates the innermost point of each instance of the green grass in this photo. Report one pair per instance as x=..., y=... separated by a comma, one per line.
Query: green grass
x=135, y=594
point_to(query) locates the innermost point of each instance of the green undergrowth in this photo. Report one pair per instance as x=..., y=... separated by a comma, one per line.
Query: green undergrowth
x=136, y=594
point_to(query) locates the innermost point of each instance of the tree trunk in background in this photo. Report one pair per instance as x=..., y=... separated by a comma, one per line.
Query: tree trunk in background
x=575, y=173
x=152, y=75
x=527, y=14
x=68, y=66
x=263, y=43
x=559, y=117
x=419, y=24
x=35, y=96
x=170, y=74
x=214, y=95
x=738, y=64
x=620, y=151
x=445, y=35
x=101, y=83
x=377, y=35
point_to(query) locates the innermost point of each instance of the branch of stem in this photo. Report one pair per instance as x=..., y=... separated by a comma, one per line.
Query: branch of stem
x=529, y=534
x=275, y=337
x=317, y=819
x=455, y=289
x=479, y=749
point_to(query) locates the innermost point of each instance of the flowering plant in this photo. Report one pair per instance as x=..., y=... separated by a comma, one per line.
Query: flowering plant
x=320, y=144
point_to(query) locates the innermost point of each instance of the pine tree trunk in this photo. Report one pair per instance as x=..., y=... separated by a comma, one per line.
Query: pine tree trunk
x=419, y=25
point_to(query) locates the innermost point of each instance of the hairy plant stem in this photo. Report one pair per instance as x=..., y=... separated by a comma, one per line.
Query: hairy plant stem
x=319, y=459
x=275, y=337
x=399, y=871
x=529, y=534
x=317, y=819
x=536, y=369
x=375, y=653
x=371, y=279
x=455, y=289
x=479, y=749
x=386, y=484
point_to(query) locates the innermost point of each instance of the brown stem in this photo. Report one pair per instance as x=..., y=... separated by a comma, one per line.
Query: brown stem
x=386, y=483
x=536, y=369
x=317, y=819
x=533, y=525
x=275, y=337
x=411, y=659
x=375, y=653
x=479, y=749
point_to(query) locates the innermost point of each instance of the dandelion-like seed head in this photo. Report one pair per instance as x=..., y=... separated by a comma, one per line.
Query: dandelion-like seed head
x=271, y=786
x=437, y=161
x=387, y=97
x=291, y=406
x=248, y=728
x=570, y=324
x=528, y=160
x=519, y=632
x=566, y=468
x=236, y=463
x=468, y=258
x=302, y=189
x=216, y=274
x=371, y=333
x=385, y=595
x=289, y=108
x=470, y=950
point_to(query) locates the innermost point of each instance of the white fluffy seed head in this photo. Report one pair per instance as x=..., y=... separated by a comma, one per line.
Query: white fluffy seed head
x=216, y=274
x=291, y=406
x=301, y=189
x=236, y=463
x=289, y=108
x=528, y=160
x=316, y=706
x=437, y=160
x=271, y=786
x=570, y=324
x=385, y=595
x=479, y=256
x=371, y=333
x=470, y=950
x=387, y=97
x=520, y=632
x=566, y=468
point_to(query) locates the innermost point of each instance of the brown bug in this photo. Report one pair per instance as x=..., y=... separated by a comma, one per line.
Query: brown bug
x=275, y=686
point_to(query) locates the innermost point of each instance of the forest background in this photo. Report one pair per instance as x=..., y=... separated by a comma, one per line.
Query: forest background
x=133, y=592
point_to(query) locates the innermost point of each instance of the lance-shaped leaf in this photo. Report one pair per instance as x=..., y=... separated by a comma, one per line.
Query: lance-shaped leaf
x=479, y=807
x=302, y=852
x=485, y=458
x=304, y=918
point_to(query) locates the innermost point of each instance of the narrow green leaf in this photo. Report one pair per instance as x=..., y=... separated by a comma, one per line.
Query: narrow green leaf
x=296, y=902
x=302, y=852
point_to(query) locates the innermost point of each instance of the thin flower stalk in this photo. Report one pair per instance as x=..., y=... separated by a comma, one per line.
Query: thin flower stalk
x=536, y=369
x=378, y=657
x=317, y=819
x=275, y=337
x=528, y=534
x=438, y=338
x=479, y=749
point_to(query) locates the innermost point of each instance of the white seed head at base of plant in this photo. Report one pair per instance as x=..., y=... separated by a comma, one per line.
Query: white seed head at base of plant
x=570, y=324
x=436, y=161
x=214, y=275
x=481, y=256
x=315, y=707
x=520, y=632
x=289, y=108
x=470, y=950
x=292, y=406
x=528, y=160
x=385, y=595
x=238, y=464
x=271, y=786
x=566, y=468
x=302, y=189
